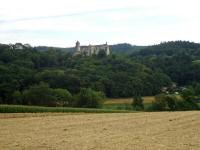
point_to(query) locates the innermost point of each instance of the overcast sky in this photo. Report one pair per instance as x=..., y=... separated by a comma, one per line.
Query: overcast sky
x=63, y=22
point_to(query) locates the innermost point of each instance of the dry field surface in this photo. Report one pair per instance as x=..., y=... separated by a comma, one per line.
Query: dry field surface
x=131, y=131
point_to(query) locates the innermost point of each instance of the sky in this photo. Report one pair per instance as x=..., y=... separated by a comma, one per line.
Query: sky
x=62, y=22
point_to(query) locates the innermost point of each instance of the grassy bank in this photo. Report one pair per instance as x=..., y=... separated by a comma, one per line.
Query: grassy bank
x=39, y=109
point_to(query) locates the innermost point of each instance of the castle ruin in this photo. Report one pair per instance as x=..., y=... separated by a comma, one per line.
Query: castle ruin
x=91, y=49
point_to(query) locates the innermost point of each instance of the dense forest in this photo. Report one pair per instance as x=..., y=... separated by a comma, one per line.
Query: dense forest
x=180, y=60
x=25, y=72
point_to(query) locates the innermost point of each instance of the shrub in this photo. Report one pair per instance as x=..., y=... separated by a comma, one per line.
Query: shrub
x=171, y=103
x=160, y=102
x=165, y=102
x=137, y=103
x=188, y=93
x=40, y=94
x=192, y=93
x=43, y=95
x=63, y=97
x=187, y=105
x=191, y=96
x=88, y=98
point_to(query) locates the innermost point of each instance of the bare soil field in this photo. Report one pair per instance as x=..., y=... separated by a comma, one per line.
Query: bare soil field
x=127, y=131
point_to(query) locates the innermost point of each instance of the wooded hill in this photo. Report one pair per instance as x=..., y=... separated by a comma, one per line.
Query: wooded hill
x=145, y=71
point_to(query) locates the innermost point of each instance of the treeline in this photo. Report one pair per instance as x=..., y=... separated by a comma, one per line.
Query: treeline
x=180, y=60
x=43, y=95
x=125, y=48
x=115, y=75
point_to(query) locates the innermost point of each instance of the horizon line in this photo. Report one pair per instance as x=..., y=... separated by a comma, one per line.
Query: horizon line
x=104, y=43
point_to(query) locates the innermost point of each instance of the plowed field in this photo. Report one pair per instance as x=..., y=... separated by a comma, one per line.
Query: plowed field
x=127, y=131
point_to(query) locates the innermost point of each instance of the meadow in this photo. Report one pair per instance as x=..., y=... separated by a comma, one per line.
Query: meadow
x=125, y=103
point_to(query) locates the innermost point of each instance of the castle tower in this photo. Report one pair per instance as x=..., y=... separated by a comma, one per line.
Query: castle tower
x=78, y=48
x=107, y=49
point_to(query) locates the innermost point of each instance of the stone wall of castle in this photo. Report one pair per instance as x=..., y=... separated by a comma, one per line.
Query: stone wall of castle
x=91, y=49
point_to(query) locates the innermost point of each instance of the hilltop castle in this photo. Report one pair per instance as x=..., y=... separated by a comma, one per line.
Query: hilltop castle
x=91, y=49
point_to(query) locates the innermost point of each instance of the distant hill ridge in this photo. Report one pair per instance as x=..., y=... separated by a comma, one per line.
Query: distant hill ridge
x=116, y=48
x=169, y=48
x=125, y=48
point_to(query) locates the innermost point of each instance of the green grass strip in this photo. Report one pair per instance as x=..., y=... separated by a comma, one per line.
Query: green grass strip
x=39, y=109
